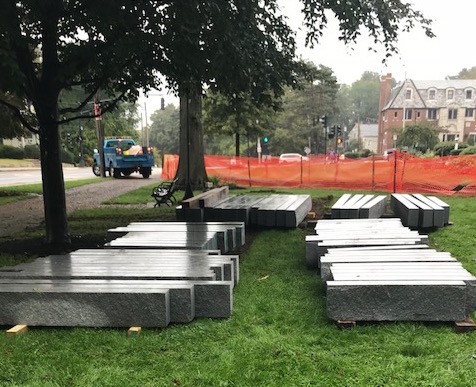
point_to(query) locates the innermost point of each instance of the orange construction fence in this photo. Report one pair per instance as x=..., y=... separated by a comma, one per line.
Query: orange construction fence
x=400, y=172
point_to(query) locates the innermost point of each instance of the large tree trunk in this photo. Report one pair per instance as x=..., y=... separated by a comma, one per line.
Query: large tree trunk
x=54, y=199
x=191, y=168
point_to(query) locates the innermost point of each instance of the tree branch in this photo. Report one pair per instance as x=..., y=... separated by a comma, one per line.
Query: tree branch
x=17, y=113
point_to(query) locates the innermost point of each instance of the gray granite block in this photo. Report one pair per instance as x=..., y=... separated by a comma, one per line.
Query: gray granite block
x=298, y=211
x=445, y=206
x=344, y=208
x=335, y=209
x=425, y=218
x=327, y=262
x=396, y=300
x=438, y=211
x=375, y=208
x=354, y=210
x=407, y=211
x=144, y=307
x=216, y=299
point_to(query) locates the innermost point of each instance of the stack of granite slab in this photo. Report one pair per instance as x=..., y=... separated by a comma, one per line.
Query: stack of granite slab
x=223, y=236
x=393, y=282
x=359, y=206
x=419, y=211
x=122, y=287
x=277, y=210
x=340, y=233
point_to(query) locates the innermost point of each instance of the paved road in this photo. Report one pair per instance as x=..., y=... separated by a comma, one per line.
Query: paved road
x=18, y=176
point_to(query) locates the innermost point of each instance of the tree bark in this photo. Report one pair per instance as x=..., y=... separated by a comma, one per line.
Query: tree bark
x=191, y=166
x=237, y=143
x=54, y=200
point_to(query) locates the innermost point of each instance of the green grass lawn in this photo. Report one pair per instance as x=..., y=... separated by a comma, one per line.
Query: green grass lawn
x=278, y=335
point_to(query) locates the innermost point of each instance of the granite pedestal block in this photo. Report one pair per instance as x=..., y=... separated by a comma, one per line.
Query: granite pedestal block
x=396, y=300
x=442, y=204
x=84, y=307
x=407, y=211
x=438, y=211
x=375, y=208
x=335, y=209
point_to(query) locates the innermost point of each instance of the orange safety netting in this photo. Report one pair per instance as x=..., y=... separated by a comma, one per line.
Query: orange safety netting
x=400, y=172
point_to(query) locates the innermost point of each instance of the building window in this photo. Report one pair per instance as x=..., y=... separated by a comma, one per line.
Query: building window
x=450, y=137
x=469, y=113
x=450, y=94
x=408, y=94
x=469, y=94
x=418, y=114
x=432, y=114
x=432, y=94
x=408, y=114
x=395, y=114
x=452, y=114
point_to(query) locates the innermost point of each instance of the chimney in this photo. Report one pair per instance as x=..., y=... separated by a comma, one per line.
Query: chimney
x=385, y=92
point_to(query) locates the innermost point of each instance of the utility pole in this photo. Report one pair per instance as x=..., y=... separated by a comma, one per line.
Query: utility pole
x=99, y=135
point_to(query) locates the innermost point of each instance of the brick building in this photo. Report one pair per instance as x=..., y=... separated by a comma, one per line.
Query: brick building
x=448, y=104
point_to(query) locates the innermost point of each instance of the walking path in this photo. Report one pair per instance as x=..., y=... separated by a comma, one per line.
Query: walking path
x=19, y=215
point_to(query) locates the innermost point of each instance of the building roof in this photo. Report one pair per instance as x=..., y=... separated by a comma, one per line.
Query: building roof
x=366, y=131
x=420, y=98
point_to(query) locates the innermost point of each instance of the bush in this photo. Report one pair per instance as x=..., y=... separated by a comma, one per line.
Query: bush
x=470, y=150
x=352, y=155
x=11, y=152
x=365, y=153
x=67, y=156
x=445, y=148
x=455, y=152
x=32, y=152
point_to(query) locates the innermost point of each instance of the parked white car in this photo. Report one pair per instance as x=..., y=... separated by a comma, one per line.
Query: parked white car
x=292, y=158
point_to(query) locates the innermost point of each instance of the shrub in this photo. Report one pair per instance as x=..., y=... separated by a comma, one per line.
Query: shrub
x=365, y=153
x=11, y=152
x=32, y=152
x=67, y=156
x=445, y=148
x=352, y=155
x=455, y=152
x=470, y=150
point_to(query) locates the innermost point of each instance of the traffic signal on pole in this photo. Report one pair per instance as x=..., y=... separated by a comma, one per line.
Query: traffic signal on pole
x=266, y=139
x=332, y=131
x=339, y=131
x=339, y=140
x=323, y=121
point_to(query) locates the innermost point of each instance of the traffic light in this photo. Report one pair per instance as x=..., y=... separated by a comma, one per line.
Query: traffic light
x=339, y=140
x=265, y=139
x=323, y=121
x=332, y=131
x=339, y=131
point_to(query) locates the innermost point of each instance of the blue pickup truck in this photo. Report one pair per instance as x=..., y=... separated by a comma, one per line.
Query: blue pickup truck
x=123, y=156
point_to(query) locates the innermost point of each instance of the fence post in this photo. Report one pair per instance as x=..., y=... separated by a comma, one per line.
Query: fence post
x=373, y=172
x=395, y=171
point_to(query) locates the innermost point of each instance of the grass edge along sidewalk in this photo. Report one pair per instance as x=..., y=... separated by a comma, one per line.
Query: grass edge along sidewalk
x=279, y=334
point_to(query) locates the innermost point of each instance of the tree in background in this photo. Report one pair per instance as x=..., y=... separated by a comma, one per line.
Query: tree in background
x=466, y=74
x=165, y=130
x=298, y=125
x=365, y=94
x=420, y=138
x=235, y=116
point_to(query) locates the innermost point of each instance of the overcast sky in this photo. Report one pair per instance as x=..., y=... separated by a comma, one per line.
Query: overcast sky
x=420, y=57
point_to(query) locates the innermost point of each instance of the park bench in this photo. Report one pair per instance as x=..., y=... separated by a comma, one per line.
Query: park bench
x=164, y=193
